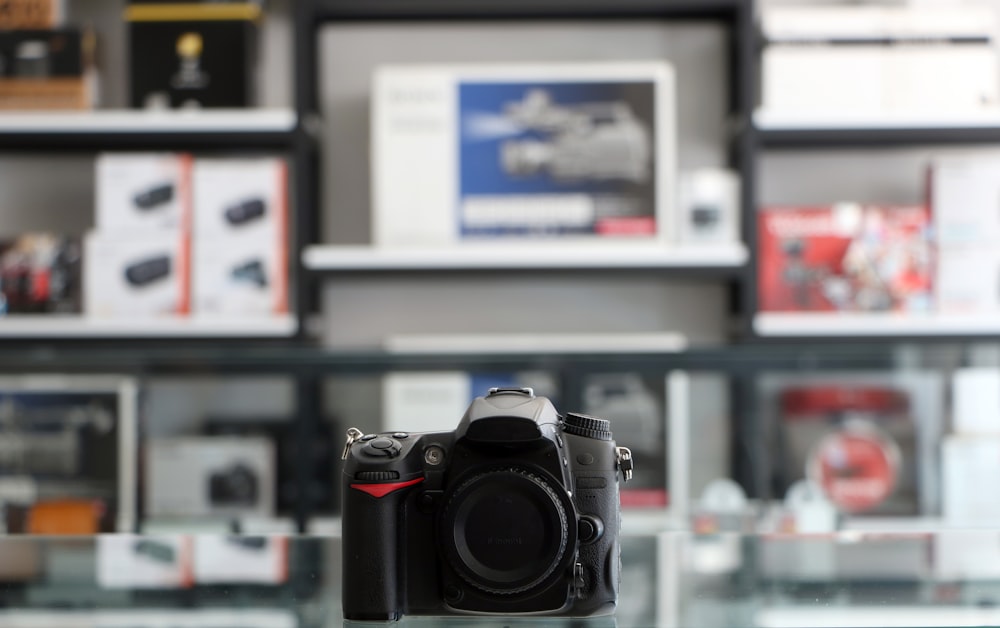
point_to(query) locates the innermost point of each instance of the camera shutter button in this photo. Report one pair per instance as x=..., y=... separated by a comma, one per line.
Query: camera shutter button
x=382, y=443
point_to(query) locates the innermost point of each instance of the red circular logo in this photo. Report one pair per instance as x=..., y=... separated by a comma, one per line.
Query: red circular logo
x=857, y=469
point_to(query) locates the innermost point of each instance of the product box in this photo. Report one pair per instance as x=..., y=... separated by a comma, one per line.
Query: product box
x=44, y=69
x=139, y=275
x=435, y=402
x=868, y=440
x=708, y=208
x=635, y=406
x=967, y=280
x=210, y=477
x=240, y=277
x=240, y=237
x=241, y=198
x=40, y=273
x=553, y=153
x=143, y=192
x=846, y=257
x=240, y=560
x=965, y=200
x=976, y=402
x=68, y=453
x=876, y=60
x=30, y=14
x=192, y=54
x=969, y=464
x=126, y=561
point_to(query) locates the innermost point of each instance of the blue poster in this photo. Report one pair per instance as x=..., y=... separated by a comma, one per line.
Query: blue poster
x=557, y=158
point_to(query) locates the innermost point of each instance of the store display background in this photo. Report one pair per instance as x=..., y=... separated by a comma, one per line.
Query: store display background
x=361, y=310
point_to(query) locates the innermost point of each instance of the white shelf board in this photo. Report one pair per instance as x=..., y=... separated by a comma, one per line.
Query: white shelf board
x=665, y=342
x=503, y=257
x=137, y=121
x=835, y=324
x=833, y=121
x=824, y=615
x=54, y=326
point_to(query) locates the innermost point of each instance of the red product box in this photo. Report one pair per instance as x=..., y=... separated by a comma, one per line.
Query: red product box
x=846, y=257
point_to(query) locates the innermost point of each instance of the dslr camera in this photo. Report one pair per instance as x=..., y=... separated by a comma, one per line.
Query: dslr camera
x=514, y=512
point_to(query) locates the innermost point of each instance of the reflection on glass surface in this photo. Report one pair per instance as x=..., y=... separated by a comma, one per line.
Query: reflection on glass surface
x=941, y=578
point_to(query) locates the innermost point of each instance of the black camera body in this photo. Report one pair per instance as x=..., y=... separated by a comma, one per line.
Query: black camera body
x=515, y=512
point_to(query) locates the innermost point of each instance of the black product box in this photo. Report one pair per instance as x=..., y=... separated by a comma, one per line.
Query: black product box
x=43, y=69
x=192, y=54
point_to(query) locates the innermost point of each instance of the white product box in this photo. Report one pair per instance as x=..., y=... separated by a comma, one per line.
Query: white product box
x=138, y=192
x=210, y=477
x=136, y=275
x=240, y=559
x=834, y=61
x=425, y=402
x=126, y=561
x=241, y=198
x=965, y=201
x=708, y=207
x=435, y=402
x=976, y=405
x=549, y=153
x=970, y=466
x=240, y=276
x=968, y=280
x=966, y=554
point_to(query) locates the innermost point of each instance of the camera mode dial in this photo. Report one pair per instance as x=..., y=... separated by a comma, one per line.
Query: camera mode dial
x=587, y=426
x=382, y=447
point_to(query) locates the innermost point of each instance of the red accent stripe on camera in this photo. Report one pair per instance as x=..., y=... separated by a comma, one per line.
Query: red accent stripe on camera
x=381, y=490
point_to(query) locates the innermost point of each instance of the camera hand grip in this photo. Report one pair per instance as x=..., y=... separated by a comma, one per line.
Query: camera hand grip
x=373, y=553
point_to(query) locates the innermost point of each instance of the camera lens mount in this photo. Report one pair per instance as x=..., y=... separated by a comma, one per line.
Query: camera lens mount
x=506, y=531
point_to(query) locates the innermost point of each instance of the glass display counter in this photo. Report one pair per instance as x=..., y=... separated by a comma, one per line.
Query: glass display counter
x=852, y=578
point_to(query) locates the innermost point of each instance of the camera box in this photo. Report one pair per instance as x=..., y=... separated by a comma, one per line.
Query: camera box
x=965, y=200
x=967, y=280
x=126, y=561
x=143, y=192
x=878, y=60
x=976, y=399
x=210, y=477
x=192, y=54
x=870, y=441
x=548, y=153
x=40, y=273
x=33, y=14
x=240, y=559
x=45, y=69
x=243, y=277
x=708, y=209
x=241, y=199
x=68, y=441
x=847, y=258
x=434, y=402
x=970, y=465
x=138, y=275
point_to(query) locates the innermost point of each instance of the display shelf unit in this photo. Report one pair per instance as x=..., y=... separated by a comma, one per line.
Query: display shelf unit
x=124, y=129
x=331, y=10
x=818, y=132
x=875, y=325
x=80, y=327
x=725, y=261
x=283, y=358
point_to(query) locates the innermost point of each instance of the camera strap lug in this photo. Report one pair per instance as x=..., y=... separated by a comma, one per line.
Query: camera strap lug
x=624, y=457
x=353, y=434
